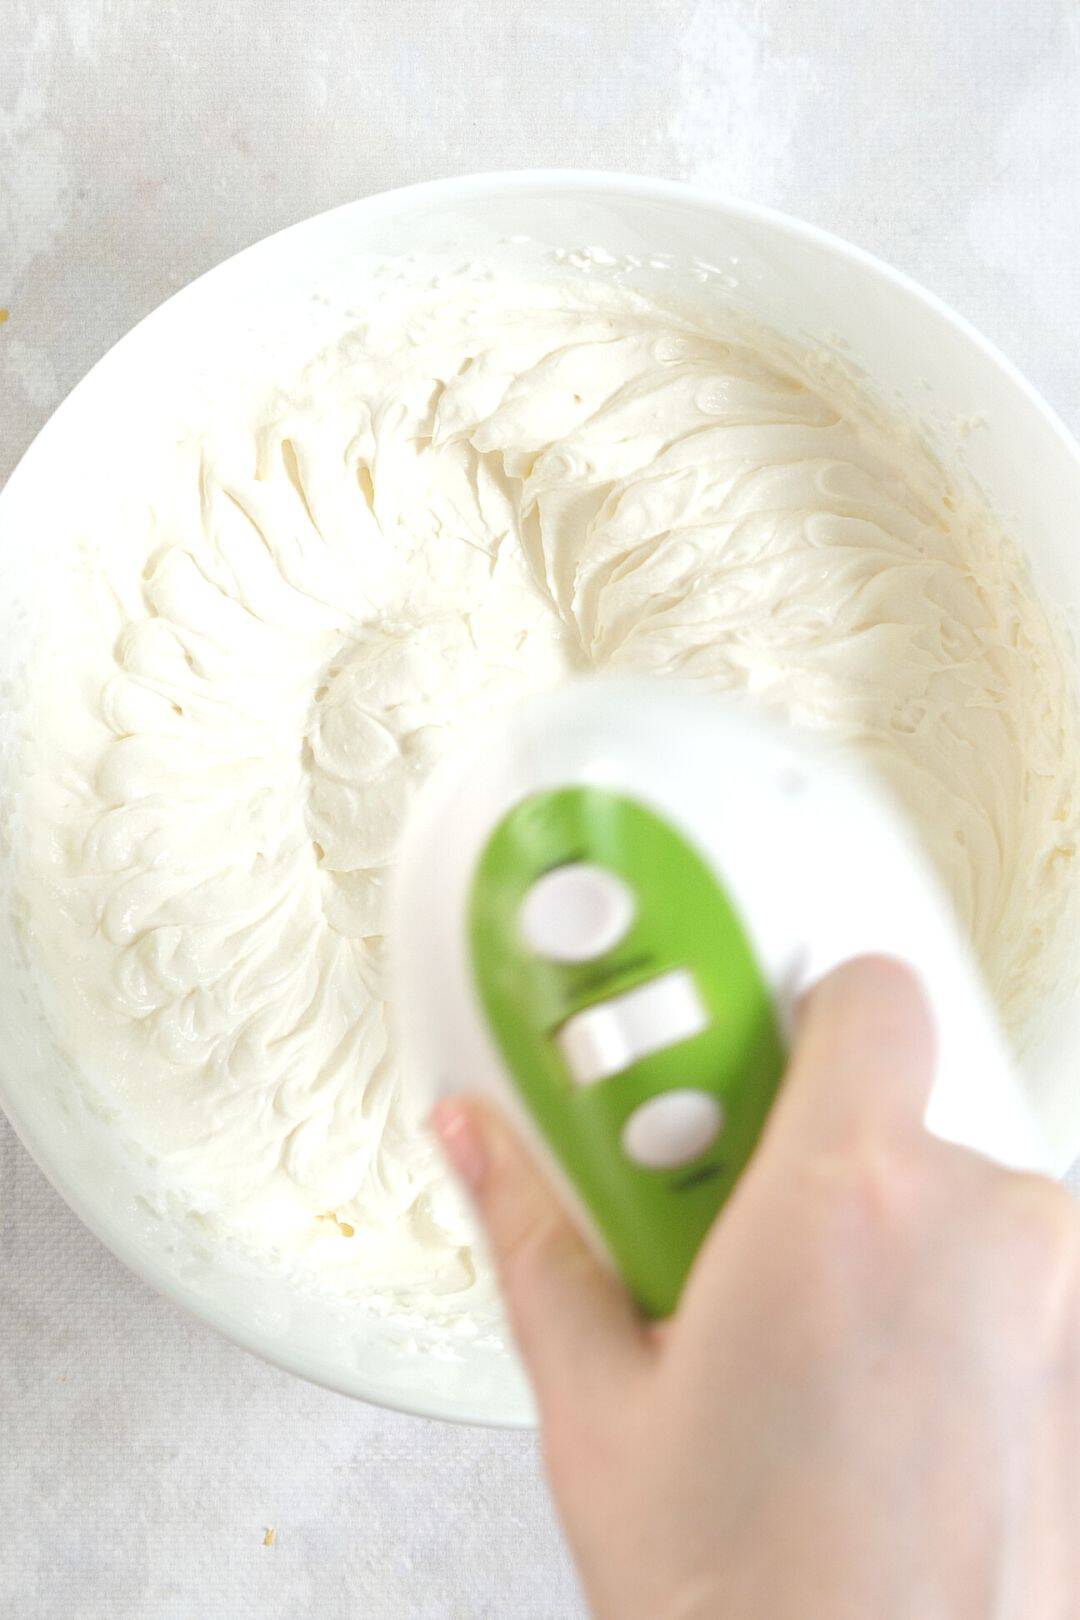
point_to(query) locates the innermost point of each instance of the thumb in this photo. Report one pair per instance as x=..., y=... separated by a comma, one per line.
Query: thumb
x=864, y=1057
x=575, y=1324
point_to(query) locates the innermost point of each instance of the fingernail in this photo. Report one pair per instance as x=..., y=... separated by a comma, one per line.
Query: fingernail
x=456, y=1127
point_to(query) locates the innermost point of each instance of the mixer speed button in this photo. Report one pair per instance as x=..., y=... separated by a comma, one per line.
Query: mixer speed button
x=612, y=1035
x=576, y=912
x=672, y=1129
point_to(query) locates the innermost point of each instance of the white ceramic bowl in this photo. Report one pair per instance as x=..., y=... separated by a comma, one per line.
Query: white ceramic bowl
x=915, y=352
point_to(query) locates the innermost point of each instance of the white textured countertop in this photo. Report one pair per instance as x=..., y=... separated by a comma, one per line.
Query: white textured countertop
x=142, y=1458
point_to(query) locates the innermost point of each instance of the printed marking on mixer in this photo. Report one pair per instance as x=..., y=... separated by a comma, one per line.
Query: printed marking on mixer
x=694, y=1178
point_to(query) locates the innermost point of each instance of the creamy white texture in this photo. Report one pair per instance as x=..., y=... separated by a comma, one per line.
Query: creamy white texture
x=480, y=488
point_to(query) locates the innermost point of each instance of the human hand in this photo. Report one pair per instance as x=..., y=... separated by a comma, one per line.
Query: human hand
x=868, y=1402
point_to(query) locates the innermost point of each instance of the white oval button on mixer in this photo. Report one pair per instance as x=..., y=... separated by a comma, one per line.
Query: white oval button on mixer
x=672, y=1129
x=577, y=912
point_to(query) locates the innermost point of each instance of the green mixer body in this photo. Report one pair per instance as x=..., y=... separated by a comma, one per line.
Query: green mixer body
x=652, y=1134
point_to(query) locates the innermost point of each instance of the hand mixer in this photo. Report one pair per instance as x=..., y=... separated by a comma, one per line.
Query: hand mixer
x=605, y=912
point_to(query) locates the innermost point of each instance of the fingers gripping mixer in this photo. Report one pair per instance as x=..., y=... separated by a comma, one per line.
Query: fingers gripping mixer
x=604, y=914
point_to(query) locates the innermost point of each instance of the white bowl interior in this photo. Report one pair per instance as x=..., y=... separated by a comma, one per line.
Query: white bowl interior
x=921, y=359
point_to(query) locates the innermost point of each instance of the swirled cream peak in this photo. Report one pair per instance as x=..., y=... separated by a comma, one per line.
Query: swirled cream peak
x=476, y=491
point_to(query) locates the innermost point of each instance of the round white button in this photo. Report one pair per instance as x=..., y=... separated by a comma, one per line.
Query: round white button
x=574, y=913
x=672, y=1129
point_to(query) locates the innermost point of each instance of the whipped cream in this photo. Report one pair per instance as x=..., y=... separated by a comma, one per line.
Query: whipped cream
x=477, y=489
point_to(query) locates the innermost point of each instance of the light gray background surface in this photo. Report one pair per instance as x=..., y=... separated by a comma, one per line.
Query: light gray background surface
x=141, y=1458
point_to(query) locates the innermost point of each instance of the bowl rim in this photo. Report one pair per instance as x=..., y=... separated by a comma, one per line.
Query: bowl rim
x=583, y=183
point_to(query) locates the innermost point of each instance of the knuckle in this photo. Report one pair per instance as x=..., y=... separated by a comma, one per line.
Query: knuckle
x=1069, y=1342
x=1042, y=1225
x=865, y=1226
x=589, y=1435
x=1017, y=1238
x=527, y=1244
x=575, y=1435
x=872, y=1190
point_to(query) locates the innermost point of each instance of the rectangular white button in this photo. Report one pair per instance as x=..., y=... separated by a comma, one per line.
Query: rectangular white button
x=607, y=1038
